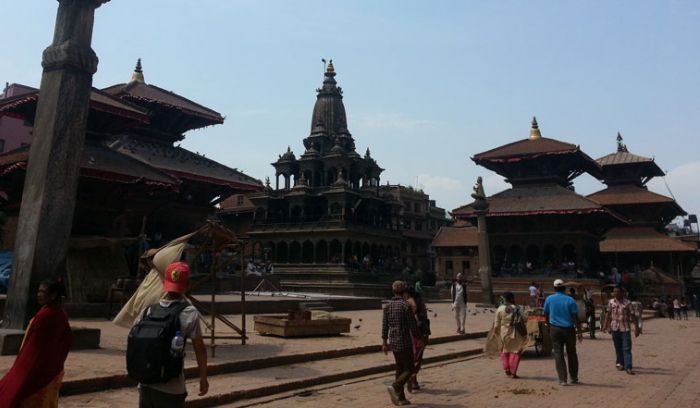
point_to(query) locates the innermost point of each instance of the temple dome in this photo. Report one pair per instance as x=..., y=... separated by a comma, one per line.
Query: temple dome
x=329, y=109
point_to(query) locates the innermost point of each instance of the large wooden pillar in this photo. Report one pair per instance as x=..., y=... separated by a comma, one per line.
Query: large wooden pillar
x=48, y=200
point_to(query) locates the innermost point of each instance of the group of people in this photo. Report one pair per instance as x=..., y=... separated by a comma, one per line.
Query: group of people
x=35, y=378
x=676, y=308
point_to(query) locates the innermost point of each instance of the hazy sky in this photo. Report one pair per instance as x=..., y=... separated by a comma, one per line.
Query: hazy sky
x=427, y=84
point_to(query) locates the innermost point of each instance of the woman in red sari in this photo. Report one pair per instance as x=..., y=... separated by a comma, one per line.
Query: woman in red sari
x=35, y=377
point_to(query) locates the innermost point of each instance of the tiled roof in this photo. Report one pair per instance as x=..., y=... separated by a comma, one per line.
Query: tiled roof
x=139, y=91
x=535, y=200
x=456, y=237
x=642, y=239
x=622, y=158
x=628, y=194
x=25, y=104
x=101, y=162
x=527, y=147
x=183, y=163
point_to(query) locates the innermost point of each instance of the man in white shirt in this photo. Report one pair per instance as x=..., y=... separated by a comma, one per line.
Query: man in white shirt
x=533, y=294
x=459, y=302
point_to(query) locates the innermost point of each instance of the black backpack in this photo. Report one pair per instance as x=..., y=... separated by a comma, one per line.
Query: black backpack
x=148, y=357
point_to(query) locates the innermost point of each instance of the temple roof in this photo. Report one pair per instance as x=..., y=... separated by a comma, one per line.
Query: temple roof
x=25, y=106
x=101, y=162
x=524, y=160
x=626, y=194
x=536, y=200
x=144, y=94
x=642, y=239
x=456, y=237
x=329, y=111
x=183, y=163
x=625, y=167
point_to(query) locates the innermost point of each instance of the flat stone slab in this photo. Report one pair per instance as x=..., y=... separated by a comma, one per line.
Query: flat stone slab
x=83, y=339
x=283, y=327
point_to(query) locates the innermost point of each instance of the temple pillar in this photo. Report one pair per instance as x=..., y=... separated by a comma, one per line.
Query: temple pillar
x=51, y=182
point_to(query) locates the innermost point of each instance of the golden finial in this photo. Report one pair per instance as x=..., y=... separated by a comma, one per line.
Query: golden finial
x=138, y=73
x=330, y=68
x=535, y=130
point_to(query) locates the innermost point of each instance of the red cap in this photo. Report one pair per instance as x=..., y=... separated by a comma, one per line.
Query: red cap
x=177, y=277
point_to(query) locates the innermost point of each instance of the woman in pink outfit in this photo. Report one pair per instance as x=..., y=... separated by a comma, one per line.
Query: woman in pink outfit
x=513, y=342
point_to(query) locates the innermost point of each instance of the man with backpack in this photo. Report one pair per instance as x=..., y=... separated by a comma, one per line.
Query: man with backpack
x=155, y=348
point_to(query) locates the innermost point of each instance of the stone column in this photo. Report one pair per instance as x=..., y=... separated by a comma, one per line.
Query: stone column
x=481, y=206
x=48, y=201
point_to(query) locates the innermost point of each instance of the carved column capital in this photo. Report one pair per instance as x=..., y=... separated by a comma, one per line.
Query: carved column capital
x=69, y=55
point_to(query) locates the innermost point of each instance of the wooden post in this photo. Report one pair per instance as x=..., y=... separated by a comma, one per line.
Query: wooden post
x=50, y=186
x=241, y=247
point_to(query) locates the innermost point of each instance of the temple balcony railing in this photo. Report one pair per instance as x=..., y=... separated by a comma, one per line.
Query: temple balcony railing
x=327, y=222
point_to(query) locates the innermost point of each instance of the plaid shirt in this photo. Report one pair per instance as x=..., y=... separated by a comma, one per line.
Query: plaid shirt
x=620, y=314
x=398, y=324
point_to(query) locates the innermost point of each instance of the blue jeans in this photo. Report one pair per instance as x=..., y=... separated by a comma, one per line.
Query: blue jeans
x=623, y=348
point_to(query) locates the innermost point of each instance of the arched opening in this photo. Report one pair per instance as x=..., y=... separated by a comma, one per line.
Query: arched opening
x=307, y=252
x=269, y=251
x=321, y=252
x=258, y=251
x=499, y=258
x=336, y=252
x=549, y=257
x=295, y=252
x=348, y=253
x=282, y=252
x=568, y=257
x=532, y=258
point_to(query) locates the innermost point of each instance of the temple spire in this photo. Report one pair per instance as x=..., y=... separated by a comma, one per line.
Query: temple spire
x=535, y=130
x=138, y=73
x=621, y=147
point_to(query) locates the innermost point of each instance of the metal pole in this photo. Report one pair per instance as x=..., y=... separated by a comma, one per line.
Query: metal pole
x=243, y=329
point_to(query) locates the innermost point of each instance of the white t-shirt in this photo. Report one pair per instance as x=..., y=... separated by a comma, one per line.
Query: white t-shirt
x=533, y=291
x=190, y=329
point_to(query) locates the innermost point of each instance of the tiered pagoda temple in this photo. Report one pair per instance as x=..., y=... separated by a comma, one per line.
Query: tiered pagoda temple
x=326, y=224
x=134, y=179
x=541, y=225
x=644, y=242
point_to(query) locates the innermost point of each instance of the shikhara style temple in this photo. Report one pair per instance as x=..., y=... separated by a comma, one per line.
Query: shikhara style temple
x=327, y=224
x=134, y=178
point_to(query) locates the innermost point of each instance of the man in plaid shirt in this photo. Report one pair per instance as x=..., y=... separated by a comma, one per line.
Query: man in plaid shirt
x=619, y=322
x=398, y=326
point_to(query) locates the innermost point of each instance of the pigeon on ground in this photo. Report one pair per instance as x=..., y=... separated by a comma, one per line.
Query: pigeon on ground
x=360, y=319
x=357, y=327
x=435, y=315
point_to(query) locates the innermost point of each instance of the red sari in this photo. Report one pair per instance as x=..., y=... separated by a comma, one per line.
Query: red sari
x=40, y=360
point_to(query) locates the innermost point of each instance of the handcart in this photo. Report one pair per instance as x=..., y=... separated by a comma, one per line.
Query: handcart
x=538, y=332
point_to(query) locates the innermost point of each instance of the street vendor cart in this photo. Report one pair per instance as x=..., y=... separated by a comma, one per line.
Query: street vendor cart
x=538, y=332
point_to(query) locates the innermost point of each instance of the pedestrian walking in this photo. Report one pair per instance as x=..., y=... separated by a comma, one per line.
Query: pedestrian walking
x=508, y=317
x=696, y=304
x=637, y=309
x=540, y=296
x=533, y=294
x=676, y=308
x=420, y=312
x=36, y=375
x=684, y=308
x=561, y=314
x=459, y=302
x=620, y=321
x=398, y=328
x=161, y=374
